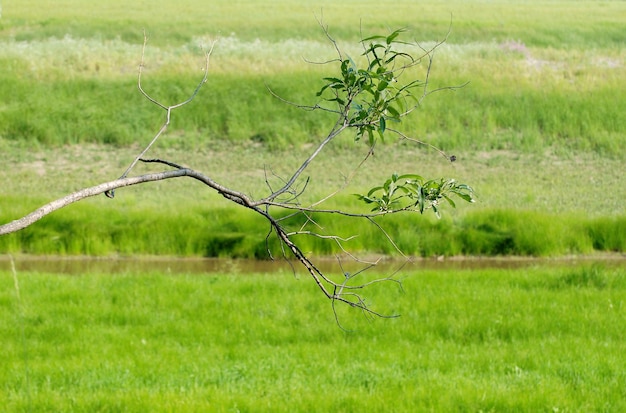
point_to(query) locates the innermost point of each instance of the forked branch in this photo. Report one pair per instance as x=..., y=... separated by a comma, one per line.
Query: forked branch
x=363, y=98
x=168, y=109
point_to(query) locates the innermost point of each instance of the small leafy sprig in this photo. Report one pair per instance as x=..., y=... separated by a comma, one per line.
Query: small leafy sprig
x=412, y=192
x=373, y=94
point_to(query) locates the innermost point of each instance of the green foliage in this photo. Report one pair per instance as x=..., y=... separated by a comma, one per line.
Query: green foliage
x=367, y=98
x=373, y=94
x=411, y=192
x=85, y=229
x=539, y=338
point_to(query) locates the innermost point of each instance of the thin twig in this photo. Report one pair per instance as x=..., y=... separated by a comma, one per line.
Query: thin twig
x=168, y=109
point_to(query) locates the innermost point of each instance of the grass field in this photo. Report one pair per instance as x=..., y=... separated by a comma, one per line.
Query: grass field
x=527, y=205
x=537, y=81
x=527, y=340
x=539, y=131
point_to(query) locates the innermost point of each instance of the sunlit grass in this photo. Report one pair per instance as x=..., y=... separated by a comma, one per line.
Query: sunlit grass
x=526, y=205
x=539, y=127
x=535, y=339
x=557, y=23
x=524, y=93
x=518, y=97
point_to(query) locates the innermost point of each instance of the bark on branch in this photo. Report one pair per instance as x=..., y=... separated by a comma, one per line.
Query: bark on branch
x=362, y=99
x=55, y=205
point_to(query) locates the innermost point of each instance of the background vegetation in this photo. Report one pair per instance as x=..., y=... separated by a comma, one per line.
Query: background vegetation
x=539, y=132
x=538, y=78
x=526, y=340
x=541, y=117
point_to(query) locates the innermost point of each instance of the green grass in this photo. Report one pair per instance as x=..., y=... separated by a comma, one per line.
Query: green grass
x=532, y=339
x=544, y=206
x=226, y=232
x=554, y=24
x=539, y=131
x=537, y=81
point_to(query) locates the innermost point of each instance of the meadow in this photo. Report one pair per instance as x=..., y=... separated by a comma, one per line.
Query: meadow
x=538, y=80
x=525, y=340
x=538, y=131
x=526, y=205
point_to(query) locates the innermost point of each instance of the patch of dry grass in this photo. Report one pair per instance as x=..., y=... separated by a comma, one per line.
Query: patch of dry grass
x=501, y=179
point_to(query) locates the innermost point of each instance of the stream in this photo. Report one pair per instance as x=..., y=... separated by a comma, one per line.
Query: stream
x=141, y=265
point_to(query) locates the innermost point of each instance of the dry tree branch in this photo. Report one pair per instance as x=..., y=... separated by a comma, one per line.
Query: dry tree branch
x=339, y=127
x=36, y=215
x=339, y=242
x=299, y=106
x=168, y=109
x=346, y=182
x=320, y=278
x=286, y=197
x=451, y=158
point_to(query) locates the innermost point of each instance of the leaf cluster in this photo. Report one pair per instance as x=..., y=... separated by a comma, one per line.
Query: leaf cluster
x=411, y=192
x=372, y=95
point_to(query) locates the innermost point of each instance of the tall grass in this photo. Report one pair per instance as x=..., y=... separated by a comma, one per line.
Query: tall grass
x=541, y=83
x=227, y=232
x=535, y=339
x=239, y=108
x=554, y=24
x=554, y=85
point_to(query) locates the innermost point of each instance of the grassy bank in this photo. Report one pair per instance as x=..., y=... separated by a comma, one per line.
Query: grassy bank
x=537, y=339
x=554, y=24
x=535, y=82
x=539, y=131
x=527, y=205
x=227, y=232
x=524, y=101
x=482, y=116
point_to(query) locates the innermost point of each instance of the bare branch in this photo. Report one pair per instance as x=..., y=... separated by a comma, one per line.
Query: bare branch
x=168, y=109
x=36, y=215
x=339, y=127
x=420, y=142
x=299, y=106
x=355, y=109
x=168, y=163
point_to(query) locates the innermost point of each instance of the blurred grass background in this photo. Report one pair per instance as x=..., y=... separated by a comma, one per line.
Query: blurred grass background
x=527, y=340
x=539, y=128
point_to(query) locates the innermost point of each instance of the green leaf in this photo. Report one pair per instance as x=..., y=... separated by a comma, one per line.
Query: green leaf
x=333, y=80
x=370, y=136
x=322, y=90
x=395, y=55
x=451, y=202
x=381, y=135
x=372, y=48
x=393, y=36
x=394, y=113
x=367, y=39
x=375, y=189
x=413, y=177
x=436, y=211
x=465, y=197
x=382, y=125
x=421, y=199
x=338, y=100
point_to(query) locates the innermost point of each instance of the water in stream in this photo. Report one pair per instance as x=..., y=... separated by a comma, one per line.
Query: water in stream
x=117, y=265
